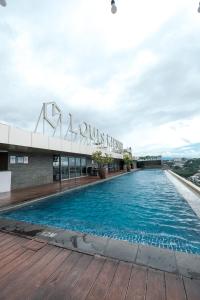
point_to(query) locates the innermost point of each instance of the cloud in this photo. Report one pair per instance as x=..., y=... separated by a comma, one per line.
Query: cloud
x=190, y=151
x=134, y=75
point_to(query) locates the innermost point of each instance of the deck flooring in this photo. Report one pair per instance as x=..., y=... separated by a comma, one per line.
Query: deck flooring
x=33, y=269
x=30, y=193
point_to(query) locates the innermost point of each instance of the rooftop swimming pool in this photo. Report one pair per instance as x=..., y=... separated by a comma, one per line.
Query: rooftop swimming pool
x=140, y=207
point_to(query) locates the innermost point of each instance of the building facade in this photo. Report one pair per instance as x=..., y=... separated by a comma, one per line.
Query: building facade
x=34, y=158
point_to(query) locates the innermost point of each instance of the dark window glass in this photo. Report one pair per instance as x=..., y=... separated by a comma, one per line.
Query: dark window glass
x=72, y=167
x=64, y=167
x=78, y=167
x=83, y=167
x=56, y=167
x=3, y=161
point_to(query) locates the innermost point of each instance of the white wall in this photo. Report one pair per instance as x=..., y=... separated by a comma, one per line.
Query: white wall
x=5, y=181
x=15, y=136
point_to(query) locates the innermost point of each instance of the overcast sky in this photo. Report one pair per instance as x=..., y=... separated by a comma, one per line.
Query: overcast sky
x=134, y=75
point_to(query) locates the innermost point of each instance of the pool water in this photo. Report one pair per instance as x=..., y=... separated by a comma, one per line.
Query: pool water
x=140, y=207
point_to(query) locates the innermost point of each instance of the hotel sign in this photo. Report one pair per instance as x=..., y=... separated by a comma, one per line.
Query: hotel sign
x=65, y=128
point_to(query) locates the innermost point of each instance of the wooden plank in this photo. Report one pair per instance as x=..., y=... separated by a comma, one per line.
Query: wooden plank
x=120, y=282
x=155, y=285
x=6, y=239
x=14, y=263
x=174, y=287
x=192, y=287
x=52, y=267
x=53, y=285
x=69, y=280
x=137, y=284
x=24, y=266
x=84, y=283
x=10, y=247
x=63, y=272
x=5, y=235
x=34, y=245
x=17, y=286
x=38, y=279
x=12, y=253
x=103, y=281
x=2, y=234
x=6, y=247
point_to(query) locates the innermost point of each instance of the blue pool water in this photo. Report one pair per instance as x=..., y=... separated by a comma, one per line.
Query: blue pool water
x=142, y=207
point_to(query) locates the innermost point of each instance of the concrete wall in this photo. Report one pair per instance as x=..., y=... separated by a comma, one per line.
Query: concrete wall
x=39, y=170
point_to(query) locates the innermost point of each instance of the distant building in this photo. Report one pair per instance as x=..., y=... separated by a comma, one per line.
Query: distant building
x=149, y=161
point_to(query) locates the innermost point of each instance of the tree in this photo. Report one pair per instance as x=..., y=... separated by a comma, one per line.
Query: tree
x=102, y=161
x=127, y=158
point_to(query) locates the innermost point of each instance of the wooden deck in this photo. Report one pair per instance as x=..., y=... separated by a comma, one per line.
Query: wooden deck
x=32, y=269
x=26, y=194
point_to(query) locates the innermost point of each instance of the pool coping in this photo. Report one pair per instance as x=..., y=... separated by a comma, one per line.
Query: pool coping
x=163, y=259
x=193, y=202
x=180, y=263
x=189, y=184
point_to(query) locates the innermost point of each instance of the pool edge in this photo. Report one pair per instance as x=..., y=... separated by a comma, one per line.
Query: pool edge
x=195, y=190
x=180, y=263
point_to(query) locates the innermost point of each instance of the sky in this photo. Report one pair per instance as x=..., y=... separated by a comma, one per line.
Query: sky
x=135, y=74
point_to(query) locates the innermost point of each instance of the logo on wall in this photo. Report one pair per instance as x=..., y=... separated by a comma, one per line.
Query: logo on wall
x=52, y=122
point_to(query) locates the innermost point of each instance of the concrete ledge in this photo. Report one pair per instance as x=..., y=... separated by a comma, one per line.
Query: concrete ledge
x=188, y=265
x=185, y=181
x=187, y=190
x=157, y=258
x=161, y=259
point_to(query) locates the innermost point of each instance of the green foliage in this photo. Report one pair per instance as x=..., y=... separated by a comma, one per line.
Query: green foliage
x=190, y=167
x=127, y=158
x=101, y=159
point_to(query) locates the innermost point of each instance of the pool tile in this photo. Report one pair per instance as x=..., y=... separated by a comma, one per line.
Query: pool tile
x=158, y=258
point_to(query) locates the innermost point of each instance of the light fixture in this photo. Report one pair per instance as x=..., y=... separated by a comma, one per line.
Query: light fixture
x=198, y=8
x=3, y=3
x=113, y=7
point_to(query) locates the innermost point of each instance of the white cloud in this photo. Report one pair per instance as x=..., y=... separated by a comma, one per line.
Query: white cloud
x=134, y=74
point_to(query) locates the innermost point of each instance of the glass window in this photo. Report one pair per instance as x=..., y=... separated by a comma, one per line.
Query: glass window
x=78, y=167
x=72, y=167
x=56, y=167
x=20, y=159
x=83, y=167
x=64, y=167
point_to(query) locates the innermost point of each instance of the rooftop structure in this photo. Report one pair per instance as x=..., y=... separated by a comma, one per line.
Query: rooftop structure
x=55, y=151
